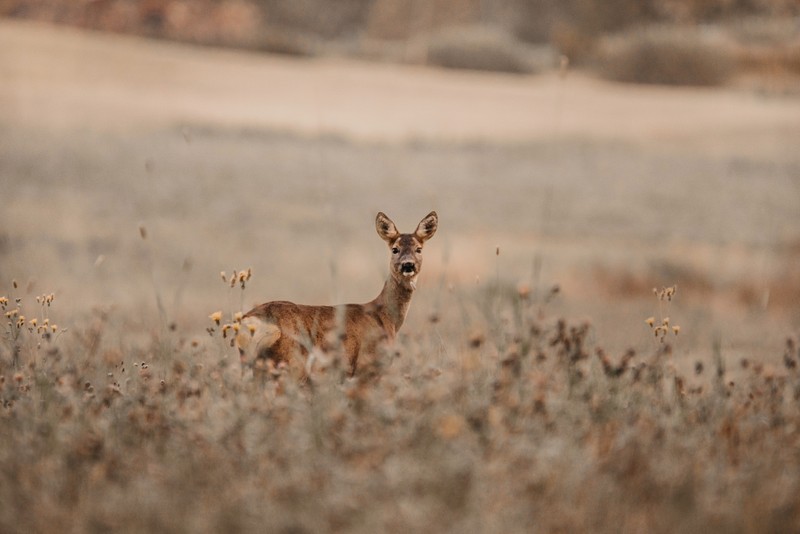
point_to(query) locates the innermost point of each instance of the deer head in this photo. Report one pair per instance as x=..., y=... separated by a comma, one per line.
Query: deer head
x=406, y=258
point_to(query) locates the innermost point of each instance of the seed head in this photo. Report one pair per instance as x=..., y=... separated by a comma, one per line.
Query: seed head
x=216, y=317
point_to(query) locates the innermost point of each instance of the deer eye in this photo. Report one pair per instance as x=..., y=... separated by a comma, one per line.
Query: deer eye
x=419, y=251
x=395, y=250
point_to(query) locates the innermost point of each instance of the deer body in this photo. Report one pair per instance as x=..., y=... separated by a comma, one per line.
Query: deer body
x=282, y=331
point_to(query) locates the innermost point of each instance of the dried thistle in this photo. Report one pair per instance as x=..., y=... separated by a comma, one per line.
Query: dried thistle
x=661, y=330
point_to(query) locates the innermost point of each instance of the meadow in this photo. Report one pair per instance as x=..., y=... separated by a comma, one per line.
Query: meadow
x=523, y=426
x=604, y=337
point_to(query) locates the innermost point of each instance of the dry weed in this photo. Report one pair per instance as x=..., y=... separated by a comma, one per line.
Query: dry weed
x=516, y=429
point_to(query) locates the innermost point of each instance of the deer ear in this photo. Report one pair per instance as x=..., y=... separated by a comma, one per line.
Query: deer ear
x=385, y=227
x=427, y=227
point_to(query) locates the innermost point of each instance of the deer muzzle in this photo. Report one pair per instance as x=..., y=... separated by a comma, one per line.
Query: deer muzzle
x=408, y=268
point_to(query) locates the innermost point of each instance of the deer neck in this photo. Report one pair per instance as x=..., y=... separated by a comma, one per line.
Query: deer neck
x=394, y=300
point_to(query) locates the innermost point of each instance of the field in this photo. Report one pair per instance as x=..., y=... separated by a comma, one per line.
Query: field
x=527, y=392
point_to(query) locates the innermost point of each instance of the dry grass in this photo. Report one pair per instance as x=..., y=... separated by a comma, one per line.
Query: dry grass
x=525, y=426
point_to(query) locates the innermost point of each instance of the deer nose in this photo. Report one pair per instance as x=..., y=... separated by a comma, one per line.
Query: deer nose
x=407, y=267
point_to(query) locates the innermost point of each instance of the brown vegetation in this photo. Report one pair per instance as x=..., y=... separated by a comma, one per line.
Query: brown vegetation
x=533, y=429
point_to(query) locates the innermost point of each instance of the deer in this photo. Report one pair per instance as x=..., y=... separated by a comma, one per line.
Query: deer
x=284, y=334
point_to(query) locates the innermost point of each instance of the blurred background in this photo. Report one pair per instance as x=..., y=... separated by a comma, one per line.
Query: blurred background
x=685, y=42
x=603, y=146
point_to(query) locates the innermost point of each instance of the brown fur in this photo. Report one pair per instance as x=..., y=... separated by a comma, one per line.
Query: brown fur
x=287, y=332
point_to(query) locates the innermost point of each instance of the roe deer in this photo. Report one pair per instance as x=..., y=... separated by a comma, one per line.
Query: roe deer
x=286, y=332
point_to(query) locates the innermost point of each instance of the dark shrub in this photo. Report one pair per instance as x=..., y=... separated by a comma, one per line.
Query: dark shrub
x=666, y=55
x=478, y=48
